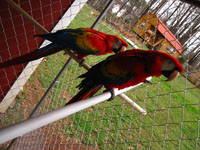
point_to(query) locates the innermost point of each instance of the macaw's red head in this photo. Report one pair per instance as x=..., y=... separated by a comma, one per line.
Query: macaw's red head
x=115, y=44
x=170, y=66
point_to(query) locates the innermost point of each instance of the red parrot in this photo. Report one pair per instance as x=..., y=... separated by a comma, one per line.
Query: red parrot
x=127, y=69
x=83, y=41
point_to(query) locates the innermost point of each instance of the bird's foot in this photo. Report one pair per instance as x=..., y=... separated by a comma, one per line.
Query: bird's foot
x=66, y=51
x=146, y=81
x=81, y=62
x=112, y=94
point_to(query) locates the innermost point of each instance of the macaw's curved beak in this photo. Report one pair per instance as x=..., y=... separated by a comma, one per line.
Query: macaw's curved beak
x=123, y=48
x=170, y=74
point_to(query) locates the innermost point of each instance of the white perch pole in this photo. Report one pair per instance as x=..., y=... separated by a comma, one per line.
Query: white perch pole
x=133, y=104
x=21, y=128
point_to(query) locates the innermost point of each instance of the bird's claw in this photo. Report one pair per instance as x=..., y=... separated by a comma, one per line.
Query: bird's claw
x=112, y=94
x=66, y=51
x=81, y=62
x=146, y=81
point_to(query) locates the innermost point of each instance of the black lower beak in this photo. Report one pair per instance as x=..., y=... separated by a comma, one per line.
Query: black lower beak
x=167, y=73
x=115, y=50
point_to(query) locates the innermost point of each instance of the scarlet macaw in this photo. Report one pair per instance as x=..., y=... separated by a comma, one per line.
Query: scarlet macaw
x=83, y=41
x=127, y=69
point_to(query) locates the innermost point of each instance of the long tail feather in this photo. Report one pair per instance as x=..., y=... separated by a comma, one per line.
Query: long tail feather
x=45, y=36
x=83, y=94
x=45, y=51
x=49, y=36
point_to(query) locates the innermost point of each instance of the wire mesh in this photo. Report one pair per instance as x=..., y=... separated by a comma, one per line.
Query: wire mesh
x=173, y=108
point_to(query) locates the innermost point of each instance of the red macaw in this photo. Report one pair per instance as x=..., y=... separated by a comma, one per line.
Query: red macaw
x=83, y=41
x=127, y=69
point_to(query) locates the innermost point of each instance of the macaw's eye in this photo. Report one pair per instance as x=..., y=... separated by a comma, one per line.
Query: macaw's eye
x=168, y=65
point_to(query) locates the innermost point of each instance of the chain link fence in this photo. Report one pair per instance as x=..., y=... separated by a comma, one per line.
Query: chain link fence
x=173, y=108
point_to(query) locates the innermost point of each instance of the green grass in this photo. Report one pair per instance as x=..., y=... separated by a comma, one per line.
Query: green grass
x=172, y=107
